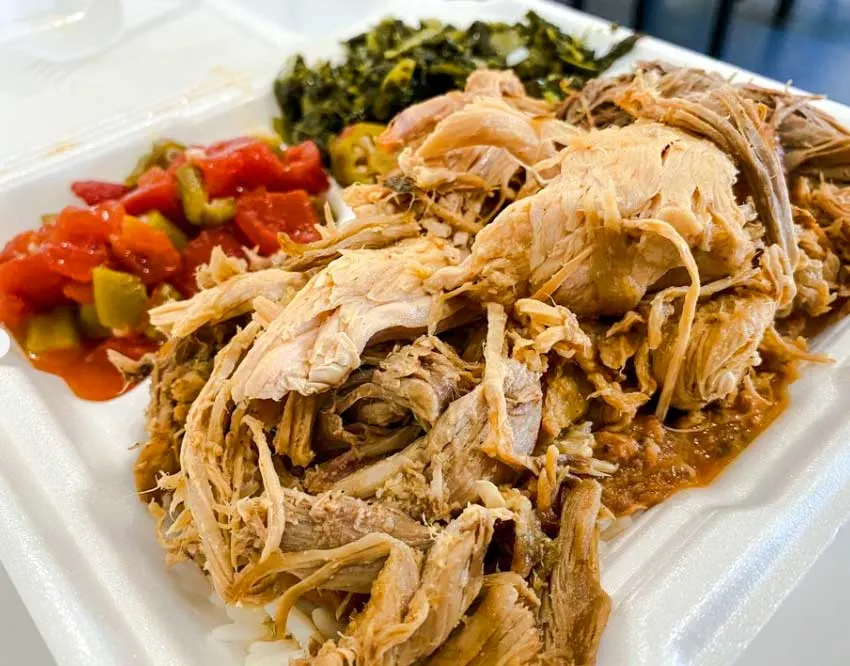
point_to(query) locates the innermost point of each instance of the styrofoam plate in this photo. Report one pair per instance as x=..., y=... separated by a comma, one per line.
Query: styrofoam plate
x=692, y=580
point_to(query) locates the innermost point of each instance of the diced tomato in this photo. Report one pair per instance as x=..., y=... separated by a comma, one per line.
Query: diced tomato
x=86, y=226
x=79, y=292
x=75, y=261
x=30, y=278
x=157, y=190
x=23, y=243
x=249, y=163
x=229, y=146
x=13, y=312
x=243, y=162
x=263, y=215
x=145, y=251
x=198, y=251
x=302, y=170
x=97, y=191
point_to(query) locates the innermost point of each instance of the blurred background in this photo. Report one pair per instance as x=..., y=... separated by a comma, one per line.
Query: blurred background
x=807, y=41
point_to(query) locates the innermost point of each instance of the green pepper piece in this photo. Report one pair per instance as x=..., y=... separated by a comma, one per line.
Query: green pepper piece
x=161, y=154
x=51, y=331
x=193, y=194
x=120, y=298
x=218, y=211
x=48, y=218
x=90, y=324
x=196, y=206
x=175, y=234
x=354, y=156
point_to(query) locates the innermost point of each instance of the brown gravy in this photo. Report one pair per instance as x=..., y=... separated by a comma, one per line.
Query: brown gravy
x=654, y=461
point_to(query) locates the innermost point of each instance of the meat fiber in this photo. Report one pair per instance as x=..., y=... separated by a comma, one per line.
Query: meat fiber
x=456, y=447
x=226, y=300
x=814, y=142
x=632, y=205
x=410, y=612
x=423, y=378
x=180, y=371
x=389, y=599
x=317, y=531
x=333, y=519
x=317, y=340
x=501, y=631
x=451, y=456
x=408, y=391
x=293, y=438
x=587, y=240
x=366, y=231
x=724, y=115
x=553, y=328
x=493, y=122
x=722, y=348
x=203, y=494
x=419, y=120
x=463, y=154
x=452, y=577
x=565, y=401
x=574, y=608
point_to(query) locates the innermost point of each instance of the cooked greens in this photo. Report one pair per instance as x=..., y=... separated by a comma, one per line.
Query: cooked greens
x=395, y=65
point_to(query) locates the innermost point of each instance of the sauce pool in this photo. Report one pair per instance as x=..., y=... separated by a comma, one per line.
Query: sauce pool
x=88, y=372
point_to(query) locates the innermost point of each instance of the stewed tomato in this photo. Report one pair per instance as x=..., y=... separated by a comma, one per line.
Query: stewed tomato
x=81, y=283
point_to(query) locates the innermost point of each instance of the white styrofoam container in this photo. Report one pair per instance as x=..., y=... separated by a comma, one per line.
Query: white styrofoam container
x=692, y=580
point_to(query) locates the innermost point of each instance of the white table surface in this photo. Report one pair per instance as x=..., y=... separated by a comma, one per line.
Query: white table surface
x=812, y=626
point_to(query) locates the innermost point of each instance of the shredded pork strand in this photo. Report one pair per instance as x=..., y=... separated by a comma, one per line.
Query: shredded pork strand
x=230, y=298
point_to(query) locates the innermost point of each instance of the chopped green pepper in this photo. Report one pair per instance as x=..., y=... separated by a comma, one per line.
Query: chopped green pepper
x=354, y=156
x=90, y=324
x=196, y=206
x=48, y=218
x=218, y=211
x=119, y=298
x=161, y=154
x=175, y=234
x=193, y=194
x=51, y=331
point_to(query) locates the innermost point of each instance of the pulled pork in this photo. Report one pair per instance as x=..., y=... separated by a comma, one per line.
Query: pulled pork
x=541, y=320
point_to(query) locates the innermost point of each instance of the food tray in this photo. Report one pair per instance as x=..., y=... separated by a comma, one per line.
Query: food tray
x=692, y=581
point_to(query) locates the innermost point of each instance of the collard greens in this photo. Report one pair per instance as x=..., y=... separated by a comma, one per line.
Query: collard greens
x=395, y=65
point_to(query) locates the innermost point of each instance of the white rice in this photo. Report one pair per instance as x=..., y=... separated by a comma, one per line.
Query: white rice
x=325, y=622
x=308, y=625
x=273, y=653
